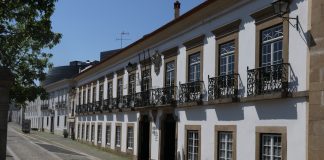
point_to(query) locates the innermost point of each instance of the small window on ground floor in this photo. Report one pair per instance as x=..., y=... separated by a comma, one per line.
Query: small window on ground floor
x=193, y=144
x=118, y=136
x=87, y=132
x=58, y=120
x=108, y=135
x=82, y=131
x=130, y=137
x=92, y=133
x=225, y=145
x=271, y=147
x=99, y=133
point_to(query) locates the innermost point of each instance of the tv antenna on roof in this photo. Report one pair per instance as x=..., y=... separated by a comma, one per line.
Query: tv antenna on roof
x=121, y=39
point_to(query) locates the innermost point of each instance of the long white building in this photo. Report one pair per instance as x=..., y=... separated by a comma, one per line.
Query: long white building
x=228, y=80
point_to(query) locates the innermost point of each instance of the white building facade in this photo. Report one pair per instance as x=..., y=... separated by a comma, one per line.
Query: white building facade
x=56, y=108
x=227, y=80
x=33, y=113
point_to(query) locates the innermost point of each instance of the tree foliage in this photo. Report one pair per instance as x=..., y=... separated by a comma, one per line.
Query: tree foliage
x=25, y=32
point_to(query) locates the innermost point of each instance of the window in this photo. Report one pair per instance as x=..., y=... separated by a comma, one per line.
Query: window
x=47, y=120
x=225, y=145
x=194, y=67
x=108, y=135
x=82, y=131
x=92, y=133
x=118, y=136
x=88, y=98
x=94, y=94
x=87, y=132
x=272, y=46
x=271, y=142
x=271, y=147
x=78, y=135
x=101, y=89
x=146, y=79
x=110, y=90
x=130, y=137
x=64, y=121
x=99, y=134
x=120, y=87
x=192, y=144
x=226, y=64
x=79, y=98
x=131, y=84
x=84, y=96
x=170, y=74
x=58, y=120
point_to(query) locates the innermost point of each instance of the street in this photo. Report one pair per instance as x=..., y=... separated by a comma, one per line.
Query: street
x=40, y=145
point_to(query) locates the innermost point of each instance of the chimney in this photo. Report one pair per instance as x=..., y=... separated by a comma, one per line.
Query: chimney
x=176, y=9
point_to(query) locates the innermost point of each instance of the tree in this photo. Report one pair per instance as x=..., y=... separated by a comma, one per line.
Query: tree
x=25, y=32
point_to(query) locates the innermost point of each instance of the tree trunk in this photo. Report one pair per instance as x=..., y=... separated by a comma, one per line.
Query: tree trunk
x=5, y=83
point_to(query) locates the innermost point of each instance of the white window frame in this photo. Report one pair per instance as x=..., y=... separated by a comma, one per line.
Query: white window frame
x=118, y=136
x=194, y=64
x=108, y=135
x=130, y=137
x=272, y=145
x=226, y=142
x=192, y=155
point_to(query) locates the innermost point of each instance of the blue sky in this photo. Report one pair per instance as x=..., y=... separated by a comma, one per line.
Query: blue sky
x=92, y=26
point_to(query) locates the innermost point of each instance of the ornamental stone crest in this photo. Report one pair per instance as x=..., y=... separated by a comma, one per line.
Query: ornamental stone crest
x=157, y=61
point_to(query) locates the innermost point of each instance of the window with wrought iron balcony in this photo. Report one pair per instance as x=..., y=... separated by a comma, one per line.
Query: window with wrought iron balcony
x=194, y=89
x=274, y=72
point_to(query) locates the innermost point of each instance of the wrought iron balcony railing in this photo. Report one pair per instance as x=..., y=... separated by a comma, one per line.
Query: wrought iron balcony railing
x=224, y=86
x=142, y=99
x=97, y=106
x=163, y=96
x=107, y=104
x=270, y=79
x=191, y=92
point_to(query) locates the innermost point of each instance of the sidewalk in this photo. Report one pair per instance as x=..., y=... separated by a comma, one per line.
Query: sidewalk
x=75, y=146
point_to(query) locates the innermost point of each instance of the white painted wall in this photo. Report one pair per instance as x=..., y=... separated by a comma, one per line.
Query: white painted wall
x=111, y=119
x=290, y=113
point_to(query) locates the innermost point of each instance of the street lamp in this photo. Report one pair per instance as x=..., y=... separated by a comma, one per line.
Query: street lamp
x=281, y=7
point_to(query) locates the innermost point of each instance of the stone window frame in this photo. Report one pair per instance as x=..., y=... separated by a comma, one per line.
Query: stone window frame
x=226, y=128
x=193, y=46
x=170, y=55
x=264, y=19
x=188, y=128
x=259, y=130
x=118, y=148
x=130, y=150
x=224, y=34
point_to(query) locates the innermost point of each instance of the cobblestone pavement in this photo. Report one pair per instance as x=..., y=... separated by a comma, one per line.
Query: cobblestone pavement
x=40, y=145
